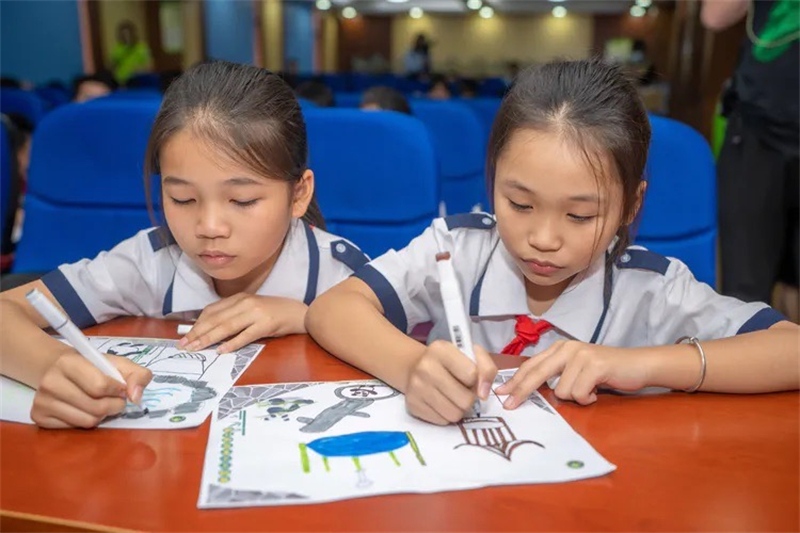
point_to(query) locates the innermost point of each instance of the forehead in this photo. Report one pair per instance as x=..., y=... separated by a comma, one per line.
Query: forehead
x=189, y=156
x=549, y=161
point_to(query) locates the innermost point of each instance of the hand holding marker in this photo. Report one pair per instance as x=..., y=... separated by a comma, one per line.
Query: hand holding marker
x=59, y=322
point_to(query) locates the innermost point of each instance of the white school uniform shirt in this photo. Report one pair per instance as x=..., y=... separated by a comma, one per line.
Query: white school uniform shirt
x=149, y=275
x=644, y=299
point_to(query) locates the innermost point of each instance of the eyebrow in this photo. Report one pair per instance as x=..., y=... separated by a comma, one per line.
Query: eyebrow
x=514, y=184
x=230, y=181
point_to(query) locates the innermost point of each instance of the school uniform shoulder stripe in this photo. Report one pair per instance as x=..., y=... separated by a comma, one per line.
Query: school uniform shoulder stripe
x=469, y=220
x=313, y=264
x=348, y=254
x=392, y=306
x=160, y=237
x=763, y=319
x=66, y=295
x=644, y=260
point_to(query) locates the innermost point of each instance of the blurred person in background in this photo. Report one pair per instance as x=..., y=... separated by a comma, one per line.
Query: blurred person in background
x=758, y=169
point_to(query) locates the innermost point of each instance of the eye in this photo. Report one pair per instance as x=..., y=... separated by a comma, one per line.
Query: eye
x=519, y=207
x=579, y=218
x=245, y=203
x=178, y=201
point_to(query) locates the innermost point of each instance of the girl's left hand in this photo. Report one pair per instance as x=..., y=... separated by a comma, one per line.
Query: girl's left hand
x=583, y=368
x=244, y=318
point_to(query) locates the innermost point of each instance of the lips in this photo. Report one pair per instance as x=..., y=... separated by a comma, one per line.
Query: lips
x=216, y=259
x=542, y=268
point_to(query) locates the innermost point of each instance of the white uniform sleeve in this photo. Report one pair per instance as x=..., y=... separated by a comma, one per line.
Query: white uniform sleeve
x=685, y=306
x=406, y=281
x=127, y=280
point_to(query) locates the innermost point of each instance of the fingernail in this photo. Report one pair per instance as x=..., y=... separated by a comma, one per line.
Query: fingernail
x=222, y=348
x=193, y=346
x=136, y=396
x=123, y=394
x=483, y=390
x=183, y=342
x=501, y=389
x=510, y=402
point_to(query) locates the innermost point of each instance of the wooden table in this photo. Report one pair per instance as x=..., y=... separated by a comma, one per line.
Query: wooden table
x=685, y=462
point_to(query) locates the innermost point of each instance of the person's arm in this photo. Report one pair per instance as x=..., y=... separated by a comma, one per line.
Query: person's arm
x=348, y=321
x=761, y=361
x=718, y=15
x=27, y=350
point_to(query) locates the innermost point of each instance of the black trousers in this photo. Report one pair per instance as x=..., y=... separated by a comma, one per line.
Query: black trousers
x=758, y=214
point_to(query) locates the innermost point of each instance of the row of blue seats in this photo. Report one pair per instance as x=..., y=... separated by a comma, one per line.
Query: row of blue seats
x=378, y=182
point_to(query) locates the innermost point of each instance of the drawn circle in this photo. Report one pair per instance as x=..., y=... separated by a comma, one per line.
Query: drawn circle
x=227, y=446
x=177, y=418
x=225, y=464
x=575, y=464
x=365, y=392
x=224, y=479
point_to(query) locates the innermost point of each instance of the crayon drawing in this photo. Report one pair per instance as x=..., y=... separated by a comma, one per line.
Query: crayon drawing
x=312, y=442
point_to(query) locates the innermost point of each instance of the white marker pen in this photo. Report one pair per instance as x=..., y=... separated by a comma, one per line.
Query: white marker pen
x=457, y=321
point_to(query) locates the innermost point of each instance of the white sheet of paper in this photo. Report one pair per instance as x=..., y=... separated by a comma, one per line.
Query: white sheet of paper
x=186, y=386
x=295, y=443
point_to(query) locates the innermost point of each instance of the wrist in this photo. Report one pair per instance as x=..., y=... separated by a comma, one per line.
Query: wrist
x=677, y=367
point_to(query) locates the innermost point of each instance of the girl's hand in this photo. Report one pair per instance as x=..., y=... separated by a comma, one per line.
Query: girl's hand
x=244, y=318
x=74, y=393
x=583, y=368
x=442, y=385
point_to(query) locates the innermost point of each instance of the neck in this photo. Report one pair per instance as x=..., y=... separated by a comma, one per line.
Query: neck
x=541, y=298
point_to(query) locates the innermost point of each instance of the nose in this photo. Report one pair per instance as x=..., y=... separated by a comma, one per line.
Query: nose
x=544, y=234
x=211, y=222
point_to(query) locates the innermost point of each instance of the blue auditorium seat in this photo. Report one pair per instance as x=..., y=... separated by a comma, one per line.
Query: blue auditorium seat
x=459, y=141
x=679, y=215
x=376, y=176
x=85, y=183
x=25, y=103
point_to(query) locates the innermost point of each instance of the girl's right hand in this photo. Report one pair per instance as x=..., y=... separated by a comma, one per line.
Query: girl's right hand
x=74, y=393
x=442, y=385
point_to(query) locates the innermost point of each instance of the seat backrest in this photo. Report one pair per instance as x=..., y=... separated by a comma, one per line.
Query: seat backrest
x=342, y=99
x=8, y=202
x=680, y=206
x=85, y=184
x=376, y=175
x=458, y=138
x=25, y=103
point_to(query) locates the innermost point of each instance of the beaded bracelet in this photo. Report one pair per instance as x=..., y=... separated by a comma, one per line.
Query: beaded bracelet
x=693, y=340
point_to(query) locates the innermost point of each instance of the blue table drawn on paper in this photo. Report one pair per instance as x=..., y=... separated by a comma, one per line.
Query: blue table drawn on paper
x=358, y=445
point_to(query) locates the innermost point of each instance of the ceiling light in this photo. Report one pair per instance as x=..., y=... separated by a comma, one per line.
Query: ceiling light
x=416, y=12
x=644, y=3
x=559, y=12
x=323, y=5
x=556, y=0
x=638, y=11
x=397, y=1
x=474, y=4
x=349, y=12
x=486, y=12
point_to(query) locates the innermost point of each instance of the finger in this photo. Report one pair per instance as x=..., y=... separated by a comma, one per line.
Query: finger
x=456, y=362
x=445, y=407
x=584, y=391
x=136, y=377
x=89, y=378
x=487, y=371
x=213, y=333
x=210, y=316
x=418, y=408
x=531, y=379
x=242, y=339
x=566, y=382
x=519, y=375
x=68, y=392
x=55, y=413
x=459, y=398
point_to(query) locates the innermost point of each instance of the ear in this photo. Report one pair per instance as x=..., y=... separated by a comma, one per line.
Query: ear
x=638, y=204
x=303, y=193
